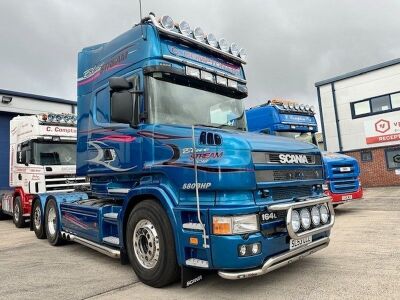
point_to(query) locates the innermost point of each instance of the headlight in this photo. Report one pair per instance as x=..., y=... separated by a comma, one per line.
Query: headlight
x=184, y=28
x=223, y=45
x=234, y=49
x=295, y=221
x=224, y=225
x=305, y=218
x=198, y=34
x=315, y=217
x=323, y=210
x=212, y=40
x=167, y=22
x=243, y=54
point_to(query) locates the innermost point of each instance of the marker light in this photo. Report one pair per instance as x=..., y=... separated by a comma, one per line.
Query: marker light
x=222, y=80
x=167, y=22
x=212, y=40
x=315, y=217
x=184, y=28
x=323, y=210
x=295, y=221
x=243, y=54
x=223, y=45
x=234, y=49
x=192, y=72
x=305, y=218
x=207, y=76
x=198, y=34
x=232, y=84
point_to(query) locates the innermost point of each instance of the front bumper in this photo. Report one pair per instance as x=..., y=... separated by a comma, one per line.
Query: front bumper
x=345, y=197
x=278, y=261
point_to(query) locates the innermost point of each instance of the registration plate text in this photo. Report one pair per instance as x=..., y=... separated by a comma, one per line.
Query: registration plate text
x=300, y=242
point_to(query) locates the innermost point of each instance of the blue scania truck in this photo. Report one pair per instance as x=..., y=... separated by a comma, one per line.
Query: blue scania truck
x=178, y=185
x=287, y=118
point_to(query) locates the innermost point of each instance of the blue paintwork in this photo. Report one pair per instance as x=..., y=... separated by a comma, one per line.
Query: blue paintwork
x=274, y=119
x=155, y=161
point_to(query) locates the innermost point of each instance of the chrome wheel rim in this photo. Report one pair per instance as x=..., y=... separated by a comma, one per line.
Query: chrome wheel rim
x=51, y=221
x=146, y=244
x=37, y=217
x=16, y=212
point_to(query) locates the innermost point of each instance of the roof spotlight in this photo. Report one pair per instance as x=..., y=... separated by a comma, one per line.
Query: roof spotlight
x=212, y=40
x=223, y=45
x=243, y=54
x=307, y=107
x=312, y=108
x=296, y=106
x=302, y=107
x=291, y=105
x=234, y=49
x=167, y=22
x=184, y=28
x=199, y=34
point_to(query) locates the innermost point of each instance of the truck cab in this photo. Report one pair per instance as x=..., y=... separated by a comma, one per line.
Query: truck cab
x=289, y=119
x=178, y=184
x=42, y=159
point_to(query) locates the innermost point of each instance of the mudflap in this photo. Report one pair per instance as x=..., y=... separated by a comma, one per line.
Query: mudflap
x=190, y=276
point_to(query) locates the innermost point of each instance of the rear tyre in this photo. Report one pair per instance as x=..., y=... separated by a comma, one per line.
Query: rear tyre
x=150, y=244
x=18, y=217
x=37, y=220
x=51, y=222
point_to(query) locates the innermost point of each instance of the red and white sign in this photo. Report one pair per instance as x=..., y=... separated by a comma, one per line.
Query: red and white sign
x=382, y=130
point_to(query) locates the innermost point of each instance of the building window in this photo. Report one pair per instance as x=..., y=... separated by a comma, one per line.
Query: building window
x=393, y=158
x=395, y=98
x=376, y=105
x=380, y=103
x=366, y=156
x=362, y=108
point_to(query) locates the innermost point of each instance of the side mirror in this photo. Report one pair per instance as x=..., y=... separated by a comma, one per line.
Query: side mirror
x=118, y=84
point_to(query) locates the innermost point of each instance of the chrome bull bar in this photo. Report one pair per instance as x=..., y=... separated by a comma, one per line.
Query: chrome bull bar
x=278, y=261
x=290, y=206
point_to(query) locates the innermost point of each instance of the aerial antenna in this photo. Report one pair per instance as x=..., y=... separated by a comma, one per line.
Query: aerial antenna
x=141, y=18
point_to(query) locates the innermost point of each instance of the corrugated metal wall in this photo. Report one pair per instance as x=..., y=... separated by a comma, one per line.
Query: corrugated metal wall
x=4, y=148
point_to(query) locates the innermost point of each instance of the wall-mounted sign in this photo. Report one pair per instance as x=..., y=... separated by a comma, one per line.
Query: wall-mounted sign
x=382, y=130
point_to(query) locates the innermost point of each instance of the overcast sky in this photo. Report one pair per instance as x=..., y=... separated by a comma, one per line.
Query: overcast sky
x=291, y=44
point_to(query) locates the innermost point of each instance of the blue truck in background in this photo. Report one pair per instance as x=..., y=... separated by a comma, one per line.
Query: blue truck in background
x=290, y=119
x=178, y=184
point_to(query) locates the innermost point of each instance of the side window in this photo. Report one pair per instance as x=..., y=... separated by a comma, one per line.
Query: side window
x=103, y=106
x=366, y=156
x=380, y=103
x=361, y=108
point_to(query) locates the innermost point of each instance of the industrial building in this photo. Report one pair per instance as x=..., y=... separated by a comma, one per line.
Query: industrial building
x=16, y=103
x=360, y=117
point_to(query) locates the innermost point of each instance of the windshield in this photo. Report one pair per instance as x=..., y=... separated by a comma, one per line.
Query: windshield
x=300, y=136
x=171, y=103
x=53, y=153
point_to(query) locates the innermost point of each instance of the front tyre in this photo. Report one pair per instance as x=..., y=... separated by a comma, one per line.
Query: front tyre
x=18, y=217
x=51, y=220
x=37, y=217
x=150, y=244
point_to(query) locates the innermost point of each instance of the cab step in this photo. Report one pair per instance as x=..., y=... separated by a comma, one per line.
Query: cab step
x=111, y=240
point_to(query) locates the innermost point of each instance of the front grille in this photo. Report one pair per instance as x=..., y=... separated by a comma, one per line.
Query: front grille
x=64, y=183
x=274, y=158
x=287, y=175
x=343, y=178
x=283, y=193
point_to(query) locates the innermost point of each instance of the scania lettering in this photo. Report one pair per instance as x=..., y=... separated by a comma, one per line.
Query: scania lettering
x=288, y=118
x=293, y=159
x=42, y=159
x=154, y=204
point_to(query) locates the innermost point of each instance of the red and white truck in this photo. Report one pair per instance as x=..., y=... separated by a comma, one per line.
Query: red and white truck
x=42, y=154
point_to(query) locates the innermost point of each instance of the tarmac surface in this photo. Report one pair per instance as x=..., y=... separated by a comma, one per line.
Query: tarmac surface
x=362, y=261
